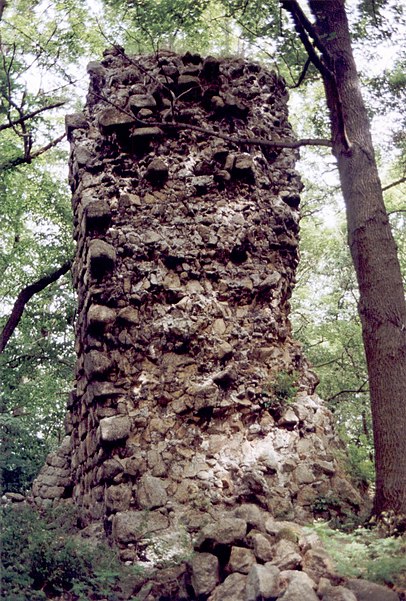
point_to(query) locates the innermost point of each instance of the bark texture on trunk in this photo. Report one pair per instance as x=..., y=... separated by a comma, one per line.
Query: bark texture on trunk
x=382, y=302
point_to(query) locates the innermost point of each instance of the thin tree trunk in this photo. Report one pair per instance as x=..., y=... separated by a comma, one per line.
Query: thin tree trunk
x=382, y=304
x=22, y=299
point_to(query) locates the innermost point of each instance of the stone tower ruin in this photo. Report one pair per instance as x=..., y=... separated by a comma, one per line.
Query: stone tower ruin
x=187, y=246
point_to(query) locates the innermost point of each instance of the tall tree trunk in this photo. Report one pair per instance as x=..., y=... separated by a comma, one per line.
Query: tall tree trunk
x=382, y=304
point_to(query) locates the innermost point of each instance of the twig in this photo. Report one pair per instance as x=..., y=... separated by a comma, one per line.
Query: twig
x=24, y=118
x=402, y=180
x=32, y=155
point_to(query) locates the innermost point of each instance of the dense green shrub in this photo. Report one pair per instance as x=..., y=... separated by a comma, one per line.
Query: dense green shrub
x=21, y=454
x=364, y=553
x=42, y=559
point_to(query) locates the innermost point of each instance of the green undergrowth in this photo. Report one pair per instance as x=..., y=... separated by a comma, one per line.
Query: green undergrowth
x=281, y=392
x=43, y=558
x=365, y=553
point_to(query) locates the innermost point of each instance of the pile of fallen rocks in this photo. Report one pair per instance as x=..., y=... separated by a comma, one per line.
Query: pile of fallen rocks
x=245, y=555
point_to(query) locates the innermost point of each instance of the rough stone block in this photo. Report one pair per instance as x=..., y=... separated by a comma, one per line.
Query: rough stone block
x=100, y=315
x=129, y=315
x=262, y=582
x=151, y=492
x=112, y=120
x=369, y=591
x=317, y=564
x=262, y=547
x=114, y=429
x=132, y=526
x=241, y=560
x=232, y=589
x=101, y=258
x=141, y=137
x=75, y=121
x=205, y=573
x=97, y=215
x=189, y=86
x=157, y=172
x=225, y=531
x=299, y=591
x=141, y=101
x=340, y=593
x=287, y=576
x=118, y=497
x=96, y=364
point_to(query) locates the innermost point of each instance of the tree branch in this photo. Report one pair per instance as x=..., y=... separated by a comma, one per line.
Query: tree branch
x=304, y=28
x=248, y=141
x=33, y=155
x=360, y=389
x=323, y=62
x=216, y=134
x=302, y=75
x=3, y=5
x=393, y=184
x=22, y=299
x=30, y=115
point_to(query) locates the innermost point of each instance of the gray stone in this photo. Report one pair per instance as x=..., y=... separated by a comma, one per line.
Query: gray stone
x=205, y=573
x=225, y=531
x=96, y=69
x=100, y=315
x=132, y=526
x=241, y=560
x=303, y=475
x=14, y=497
x=324, y=467
x=339, y=593
x=52, y=492
x=75, y=121
x=118, y=497
x=141, y=101
x=97, y=215
x=232, y=589
x=84, y=156
x=151, y=492
x=101, y=257
x=65, y=448
x=243, y=166
x=129, y=315
x=369, y=591
x=299, y=591
x=96, y=364
x=143, y=135
x=211, y=68
x=56, y=460
x=189, y=87
x=262, y=547
x=111, y=120
x=102, y=390
x=289, y=418
x=262, y=582
x=286, y=556
x=115, y=428
x=157, y=172
x=287, y=576
x=317, y=563
x=252, y=514
x=111, y=468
